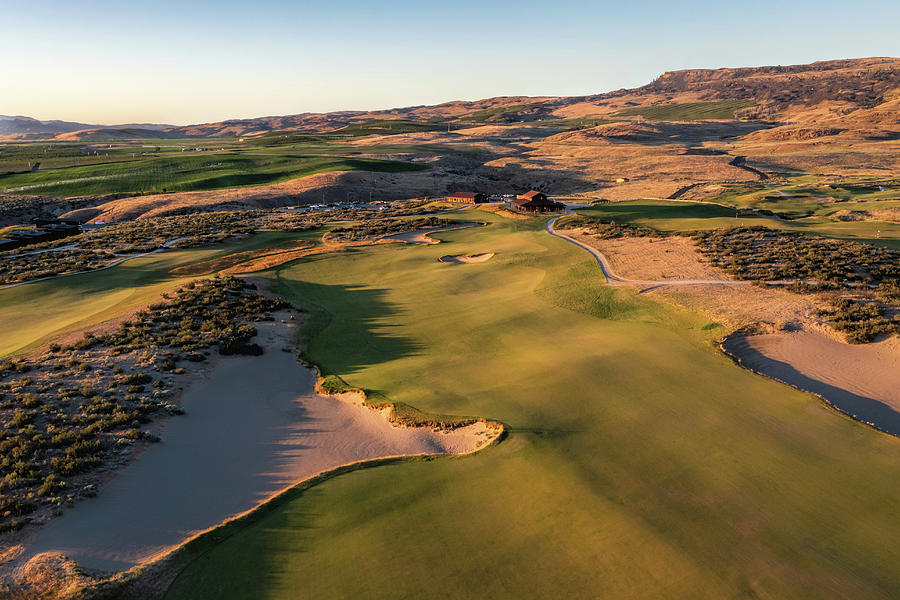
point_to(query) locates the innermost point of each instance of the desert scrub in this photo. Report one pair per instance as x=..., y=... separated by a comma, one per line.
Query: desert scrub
x=214, y=312
x=97, y=249
x=15, y=267
x=306, y=220
x=196, y=229
x=870, y=274
x=760, y=253
x=101, y=247
x=63, y=421
x=861, y=321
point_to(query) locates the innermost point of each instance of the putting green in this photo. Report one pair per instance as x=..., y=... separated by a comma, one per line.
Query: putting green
x=641, y=462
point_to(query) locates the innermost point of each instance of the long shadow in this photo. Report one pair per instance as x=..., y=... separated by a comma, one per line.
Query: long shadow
x=868, y=410
x=633, y=212
x=350, y=327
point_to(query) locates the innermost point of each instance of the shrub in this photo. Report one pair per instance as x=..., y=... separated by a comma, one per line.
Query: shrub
x=52, y=484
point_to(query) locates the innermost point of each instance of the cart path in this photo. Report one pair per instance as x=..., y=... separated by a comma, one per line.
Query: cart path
x=613, y=279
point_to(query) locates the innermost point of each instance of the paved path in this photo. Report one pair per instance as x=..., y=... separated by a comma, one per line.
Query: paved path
x=614, y=279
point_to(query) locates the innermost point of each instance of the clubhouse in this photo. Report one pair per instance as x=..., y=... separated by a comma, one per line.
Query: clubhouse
x=467, y=197
x=534, y=201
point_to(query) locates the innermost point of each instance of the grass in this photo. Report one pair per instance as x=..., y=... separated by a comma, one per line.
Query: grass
x=641, y=462
x=21, y=157
x=813, y=196
x=671, y=216
x=189, y=171
x=388, y=127
x=687, y=111
x=502, y=114
x=568, y=124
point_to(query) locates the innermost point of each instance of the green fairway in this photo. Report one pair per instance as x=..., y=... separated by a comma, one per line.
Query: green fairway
x=678, y=216
x=189, y=171
x=687, y=111
x=641, y=462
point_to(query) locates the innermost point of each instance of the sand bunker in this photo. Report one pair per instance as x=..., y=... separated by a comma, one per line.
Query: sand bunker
x=466, y=258
x=420, y=236
x=860, y=380
x=253, y=427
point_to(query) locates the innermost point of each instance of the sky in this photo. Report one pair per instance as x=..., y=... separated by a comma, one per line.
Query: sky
x=182, y=62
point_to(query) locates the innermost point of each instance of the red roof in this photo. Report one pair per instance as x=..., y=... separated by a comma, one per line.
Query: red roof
x=530, y=195
x=464, y=195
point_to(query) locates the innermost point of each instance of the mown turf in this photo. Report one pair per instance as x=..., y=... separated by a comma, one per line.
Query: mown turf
x=641, y=463
x=189, y=171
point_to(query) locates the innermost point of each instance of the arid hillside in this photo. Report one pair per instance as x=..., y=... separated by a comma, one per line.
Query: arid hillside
x=687, y=134
x=770, y=92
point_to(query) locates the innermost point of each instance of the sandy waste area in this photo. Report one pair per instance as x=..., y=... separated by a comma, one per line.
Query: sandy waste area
x=253, y=427
x=862, y=380
x=467, y=258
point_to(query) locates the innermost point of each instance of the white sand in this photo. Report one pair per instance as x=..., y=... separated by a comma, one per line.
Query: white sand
x=862, y=380
x=253, y=427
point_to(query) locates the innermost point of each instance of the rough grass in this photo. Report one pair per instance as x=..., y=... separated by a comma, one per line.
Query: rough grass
x=641, y=462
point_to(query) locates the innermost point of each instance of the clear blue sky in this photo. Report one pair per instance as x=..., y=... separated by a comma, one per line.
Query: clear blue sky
x=189, y=62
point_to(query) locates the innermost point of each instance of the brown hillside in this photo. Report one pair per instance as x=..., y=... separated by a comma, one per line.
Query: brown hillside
x=862, y=82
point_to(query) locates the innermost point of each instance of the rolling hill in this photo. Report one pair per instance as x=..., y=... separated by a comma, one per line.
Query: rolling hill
x=768, y=92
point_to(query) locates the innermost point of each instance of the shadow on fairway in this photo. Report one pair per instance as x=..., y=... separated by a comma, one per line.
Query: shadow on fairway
x=359, y=330
x=631, y=212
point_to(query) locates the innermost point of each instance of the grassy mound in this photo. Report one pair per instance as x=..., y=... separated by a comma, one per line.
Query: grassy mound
x=640, y=462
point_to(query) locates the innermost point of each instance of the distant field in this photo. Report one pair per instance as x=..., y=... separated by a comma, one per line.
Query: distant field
x=501, y=114
x=641, y=462
x=189, y=171
x=670, y=216
x=389, y=127
x=572, y=123
x=21, y=157
x=688, y=111
x=808, y=195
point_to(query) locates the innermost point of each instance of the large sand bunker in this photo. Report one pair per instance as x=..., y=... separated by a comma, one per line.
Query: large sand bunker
x=860, y=380
x=466, y=258
x=253, y=427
